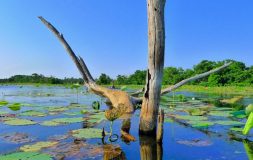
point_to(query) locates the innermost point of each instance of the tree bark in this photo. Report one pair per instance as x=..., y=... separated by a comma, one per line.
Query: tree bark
x=156, y=45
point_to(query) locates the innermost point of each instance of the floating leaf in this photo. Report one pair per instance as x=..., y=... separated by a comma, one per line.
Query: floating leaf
x=87, y=133
x=220, y=113
x=33, y=113
x=97, y=118
x=72, y=113
x=19, y=122
x=84, y=111
x=15, y=106
x=248, y=125
x=26, y=156
x=232, y=100
x=200, y=124
x=62, y=121
x=236, y=129
x=50, y=123
x=3, y=112
x=168, y=120
x=239, y=114
x=37, y=146
x=3, y=103
x=16, y=137
x=191, y=118
x=229, y=123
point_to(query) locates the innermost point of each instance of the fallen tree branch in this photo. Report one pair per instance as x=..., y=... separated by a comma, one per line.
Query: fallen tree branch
x=202, y=75
x=179, y=84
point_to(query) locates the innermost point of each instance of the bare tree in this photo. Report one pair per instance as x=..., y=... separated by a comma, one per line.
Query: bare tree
x=121, y=100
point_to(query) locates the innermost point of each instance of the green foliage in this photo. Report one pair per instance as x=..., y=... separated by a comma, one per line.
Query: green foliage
x=26, y=156
x=87, y=133
x=249, y=109
x=37, y=146
x=248, y=125
x=15, y=106
x=96, y=105
x=19, y=122
x=104, y=79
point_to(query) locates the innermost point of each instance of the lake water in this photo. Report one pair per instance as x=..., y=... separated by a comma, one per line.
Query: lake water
x=182, y=138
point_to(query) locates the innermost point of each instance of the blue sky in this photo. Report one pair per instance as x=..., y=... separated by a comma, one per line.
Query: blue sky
x=111, y=35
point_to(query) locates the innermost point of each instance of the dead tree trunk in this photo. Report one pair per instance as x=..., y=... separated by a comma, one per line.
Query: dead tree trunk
x=156, y=45
x=121, y=99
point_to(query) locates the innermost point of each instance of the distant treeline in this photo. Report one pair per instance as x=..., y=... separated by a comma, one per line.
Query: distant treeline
x=39, y=78
x=236, y=74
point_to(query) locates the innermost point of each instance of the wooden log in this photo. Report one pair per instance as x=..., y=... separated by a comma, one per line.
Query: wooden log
x=159, y=134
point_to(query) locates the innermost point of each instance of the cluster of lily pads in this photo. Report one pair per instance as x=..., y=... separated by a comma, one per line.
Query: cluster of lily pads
x=201, y=114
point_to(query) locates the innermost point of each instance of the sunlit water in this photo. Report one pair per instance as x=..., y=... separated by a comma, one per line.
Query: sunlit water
x=219, y=145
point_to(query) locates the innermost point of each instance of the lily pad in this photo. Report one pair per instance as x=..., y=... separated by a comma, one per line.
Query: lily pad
x=37, y=146
x=19, y=122
x=236, y=129
x=62, y=121
x=97, y=118
x=201, y=124
x=3, y=103
x=16, y=137
x=87, y=133
x=33, y=113
x=15, y=106
x=26, y=156
x=191, y=118
x=229, y=123
x=220, y=113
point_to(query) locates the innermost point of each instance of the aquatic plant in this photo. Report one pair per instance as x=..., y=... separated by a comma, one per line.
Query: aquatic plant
x=15, y=106
x=248, y=125
x=19, y=122
x=249, y=109
x=96, y=105
x=87, y=133
x=37, y=146
x=33, y=113
x=3, y=103
x=26, y=156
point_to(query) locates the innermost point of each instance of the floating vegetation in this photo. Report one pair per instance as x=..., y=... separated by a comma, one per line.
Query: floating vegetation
x=97, y=118
x=33, y=113
x=200, y=124
x=18, y=122
x=3, y=112
x=84, y=111
x=229, y=123
x=236, y=129
x=232, y=100
x=37, y=146
x=220, y=113
x=191, y=118
x=196, y=111
x=195, y=143
x=15, y=106
x=72, y=113
x=16, y=137
x=62, y=121
x=3, y=103
x=87, y=133
x=248, y=125
x=26, y=156
x=55, y=110
x=239, y=114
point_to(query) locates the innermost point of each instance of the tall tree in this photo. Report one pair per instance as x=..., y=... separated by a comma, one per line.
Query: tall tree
x=156, y=45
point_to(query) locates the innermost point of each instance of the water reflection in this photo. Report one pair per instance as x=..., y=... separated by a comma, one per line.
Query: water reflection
x=248, y=146
x=150, y=149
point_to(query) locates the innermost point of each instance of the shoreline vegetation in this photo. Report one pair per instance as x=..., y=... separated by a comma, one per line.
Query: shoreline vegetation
x=225, y=90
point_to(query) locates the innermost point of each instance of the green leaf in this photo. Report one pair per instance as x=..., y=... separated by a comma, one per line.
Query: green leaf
x=26, y=156
x=249, y=109
x=33, y=113
x=87, y=133
x=248, y=125
x=15, y=106
x=96, y=105
x=37, y=146
x=19, y=122
x=3, y=103
x=229, y=123
x=191, y=118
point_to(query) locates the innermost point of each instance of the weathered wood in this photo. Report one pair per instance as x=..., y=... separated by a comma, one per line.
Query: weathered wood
x=156, y=45
x=116, y=97
x=183, y=82
x=159, y=134
x=179, y=84
x=148, y=148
